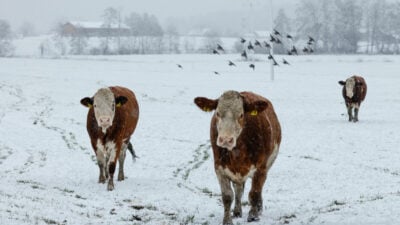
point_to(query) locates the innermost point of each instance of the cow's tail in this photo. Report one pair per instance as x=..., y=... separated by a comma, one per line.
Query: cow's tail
x=132, y=151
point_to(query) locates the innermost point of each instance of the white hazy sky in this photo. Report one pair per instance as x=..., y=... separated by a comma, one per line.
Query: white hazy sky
x=45, y=13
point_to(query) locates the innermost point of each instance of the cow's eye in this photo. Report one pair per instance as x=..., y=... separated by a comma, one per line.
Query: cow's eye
x=95, y=105
x=218, y=115
x=241, y=116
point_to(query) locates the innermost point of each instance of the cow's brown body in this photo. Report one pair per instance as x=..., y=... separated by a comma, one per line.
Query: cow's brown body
x=359, y=92
x=117, y=136
x=256, y=149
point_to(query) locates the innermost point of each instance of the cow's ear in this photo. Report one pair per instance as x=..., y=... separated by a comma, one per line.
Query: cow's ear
x=205, y=104
x=88, y=102
x=120, y=100
x=342, y=82
x=255, y=107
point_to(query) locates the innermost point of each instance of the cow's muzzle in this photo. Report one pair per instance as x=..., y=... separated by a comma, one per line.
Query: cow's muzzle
x=227, y=142
x=105, y=121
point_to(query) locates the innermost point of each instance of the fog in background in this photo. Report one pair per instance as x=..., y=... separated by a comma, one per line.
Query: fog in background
x=227, y=16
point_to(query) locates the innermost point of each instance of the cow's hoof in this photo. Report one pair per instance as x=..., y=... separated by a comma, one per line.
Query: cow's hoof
x=121, y=177
x=110, y=186
x=253, y=218
x=254, y=215
x=237, y=213
x=227, y=221
x=102, y=179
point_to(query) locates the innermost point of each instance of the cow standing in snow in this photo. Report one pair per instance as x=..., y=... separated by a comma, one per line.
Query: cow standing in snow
x=245, y=137
x=354, y=92
x=111, y=120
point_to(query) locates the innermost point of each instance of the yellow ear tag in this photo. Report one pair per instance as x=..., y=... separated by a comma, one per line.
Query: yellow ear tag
x=89, y=106
x=254, y=113
x=206, y=109
x=118, y=105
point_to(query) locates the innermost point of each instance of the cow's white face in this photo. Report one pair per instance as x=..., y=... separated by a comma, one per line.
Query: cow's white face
x=104, y=108
x=350, y=85
x=104, y=103
x=230, y=116
x=230, y=110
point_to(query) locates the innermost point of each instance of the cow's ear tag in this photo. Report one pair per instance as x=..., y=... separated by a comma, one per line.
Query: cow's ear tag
x=206, y=109
x=89, y=105
x=254, y=113
x=118, y=104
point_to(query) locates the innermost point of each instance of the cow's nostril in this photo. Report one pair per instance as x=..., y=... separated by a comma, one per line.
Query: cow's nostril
x=230, y=141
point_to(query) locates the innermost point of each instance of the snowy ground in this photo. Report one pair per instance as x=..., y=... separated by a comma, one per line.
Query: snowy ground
x=329, y=171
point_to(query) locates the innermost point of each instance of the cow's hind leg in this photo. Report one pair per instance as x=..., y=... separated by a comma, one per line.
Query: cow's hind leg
x=255, y=195
x=227, y=197
x=237, y=211
x=121, y=160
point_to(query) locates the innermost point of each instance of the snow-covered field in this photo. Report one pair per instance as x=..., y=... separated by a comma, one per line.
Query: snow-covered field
x=328, y=171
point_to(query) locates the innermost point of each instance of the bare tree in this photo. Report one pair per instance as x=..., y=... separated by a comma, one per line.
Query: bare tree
x=6, y=48
x=146, y=33
x=111, y=18
x=27, y=29
x=172, y=39
x=210, y=42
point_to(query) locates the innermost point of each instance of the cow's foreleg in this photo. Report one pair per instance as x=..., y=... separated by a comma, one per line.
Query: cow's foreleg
x=111, y=169
x=356, y=108
x=101, y=161
x=255, y=195
x=237, y=211
x=227, y=197
x=350, y=112
x=121, y=160
x=113, y=151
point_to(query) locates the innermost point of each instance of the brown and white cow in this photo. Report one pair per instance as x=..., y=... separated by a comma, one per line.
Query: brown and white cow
x=354, y=92
x=245, y=137
x=111, y=120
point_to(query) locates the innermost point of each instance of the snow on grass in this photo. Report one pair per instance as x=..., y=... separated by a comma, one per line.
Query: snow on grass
x=328, y=170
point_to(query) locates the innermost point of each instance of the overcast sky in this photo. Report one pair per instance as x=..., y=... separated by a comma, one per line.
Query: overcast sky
x=45, y=13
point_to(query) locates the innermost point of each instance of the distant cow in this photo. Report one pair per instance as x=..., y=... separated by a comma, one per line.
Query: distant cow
x=111, y=120
x=245, y=137
x=354, y=92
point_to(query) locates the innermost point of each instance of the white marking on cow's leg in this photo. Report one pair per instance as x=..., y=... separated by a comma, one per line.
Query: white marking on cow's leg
x=121, y=159
x=101, y=161
x=273, y=156
x=111, y=152
x=237, y=211
x=227, y=195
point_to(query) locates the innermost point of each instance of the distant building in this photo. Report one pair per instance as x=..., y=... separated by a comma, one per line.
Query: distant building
x=94, y=29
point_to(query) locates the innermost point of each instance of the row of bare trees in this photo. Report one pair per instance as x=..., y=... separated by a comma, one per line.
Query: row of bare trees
x=347, y=26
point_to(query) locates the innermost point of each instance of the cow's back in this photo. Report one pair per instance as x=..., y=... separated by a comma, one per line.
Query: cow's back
x=267, y=122
x=128, y=113
x=361, y=89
